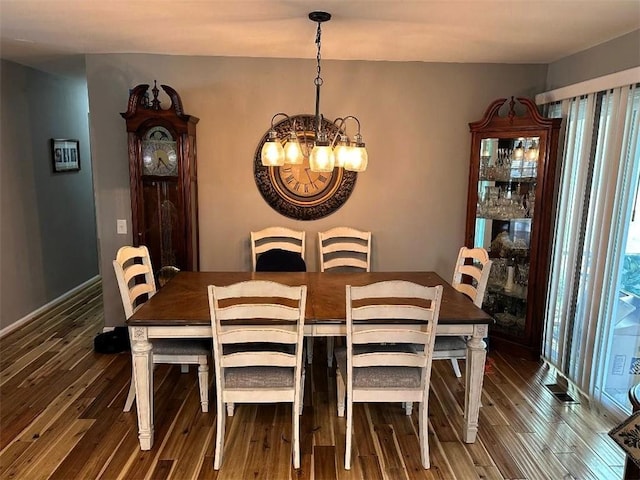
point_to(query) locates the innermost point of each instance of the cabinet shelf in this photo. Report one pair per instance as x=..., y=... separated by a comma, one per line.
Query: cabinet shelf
x=509, y=213
x=509, y=179
x=486, y=217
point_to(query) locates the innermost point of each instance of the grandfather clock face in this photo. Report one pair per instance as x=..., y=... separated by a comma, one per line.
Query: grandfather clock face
x=159, y=155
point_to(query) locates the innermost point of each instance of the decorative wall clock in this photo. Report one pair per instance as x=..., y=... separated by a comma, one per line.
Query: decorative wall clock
x=294, y=190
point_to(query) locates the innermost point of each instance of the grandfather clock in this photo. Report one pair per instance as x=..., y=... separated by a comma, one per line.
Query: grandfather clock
x=163, y=180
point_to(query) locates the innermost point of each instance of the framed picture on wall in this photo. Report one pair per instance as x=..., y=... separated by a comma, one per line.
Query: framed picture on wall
x=65, y=155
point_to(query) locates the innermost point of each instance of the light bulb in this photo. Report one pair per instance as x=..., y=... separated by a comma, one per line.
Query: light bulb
x=358, y=158
x=342, y=151
x=322, y=158
x=292, y=151
x=272, y=154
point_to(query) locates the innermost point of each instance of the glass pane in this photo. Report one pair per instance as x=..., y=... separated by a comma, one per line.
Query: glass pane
x=573, y=184
x=622, y=366
x=505, y=210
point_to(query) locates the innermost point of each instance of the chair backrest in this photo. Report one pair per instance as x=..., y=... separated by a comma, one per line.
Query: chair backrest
x=278, y=260
x=239, y=341
x=474, y=264
x=378, y=337
x=276, y=237
x=135, y=277
x=344, y=247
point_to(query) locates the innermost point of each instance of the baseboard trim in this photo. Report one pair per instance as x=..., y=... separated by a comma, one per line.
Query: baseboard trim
x=27, y=318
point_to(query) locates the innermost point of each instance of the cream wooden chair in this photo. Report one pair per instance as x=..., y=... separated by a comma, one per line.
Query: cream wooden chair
x=276, y=238
x=473, y=263
x=136, y=283
x=342, y=249
x=385, y=360
x=249, y=370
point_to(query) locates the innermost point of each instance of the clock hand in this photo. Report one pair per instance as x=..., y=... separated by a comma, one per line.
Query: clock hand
x=160, y=160
x=306, y=170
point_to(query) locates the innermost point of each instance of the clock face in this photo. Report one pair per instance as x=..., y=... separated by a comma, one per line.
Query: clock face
x=159, y=155
x=295, y=190
x=301, y=181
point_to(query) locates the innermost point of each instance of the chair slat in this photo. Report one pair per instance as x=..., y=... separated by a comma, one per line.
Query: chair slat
x=248, y=335
x=391, y=312
x=261, y=310
x=258, y=359
x=388, y=359
x=393, y=335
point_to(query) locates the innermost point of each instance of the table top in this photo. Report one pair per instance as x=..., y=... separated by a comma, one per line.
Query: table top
x=184, y=299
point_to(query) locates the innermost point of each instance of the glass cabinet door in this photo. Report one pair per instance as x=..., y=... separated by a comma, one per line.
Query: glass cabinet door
x=504, y=217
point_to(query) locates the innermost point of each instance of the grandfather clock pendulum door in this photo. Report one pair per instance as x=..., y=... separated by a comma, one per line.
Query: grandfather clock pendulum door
x=163, y=180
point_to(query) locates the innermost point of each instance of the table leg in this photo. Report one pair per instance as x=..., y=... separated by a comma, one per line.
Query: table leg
x=142, y=358
x=476, y=356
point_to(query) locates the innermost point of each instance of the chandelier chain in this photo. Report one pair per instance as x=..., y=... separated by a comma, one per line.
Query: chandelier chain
x=318, y=79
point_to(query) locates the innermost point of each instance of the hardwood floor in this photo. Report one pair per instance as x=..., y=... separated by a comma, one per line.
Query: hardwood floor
x=61, y=418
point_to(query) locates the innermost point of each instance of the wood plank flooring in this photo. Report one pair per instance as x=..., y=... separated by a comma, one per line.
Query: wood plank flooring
x=61, y=418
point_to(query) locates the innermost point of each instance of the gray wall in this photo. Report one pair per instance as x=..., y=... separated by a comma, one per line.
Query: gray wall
x=47, y=221
x=614, y=56
x=414, y=121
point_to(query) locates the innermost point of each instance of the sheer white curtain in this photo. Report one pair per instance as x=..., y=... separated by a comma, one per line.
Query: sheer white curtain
x=597, y=184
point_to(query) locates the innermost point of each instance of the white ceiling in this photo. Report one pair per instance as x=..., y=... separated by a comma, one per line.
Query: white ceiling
x=471, y=31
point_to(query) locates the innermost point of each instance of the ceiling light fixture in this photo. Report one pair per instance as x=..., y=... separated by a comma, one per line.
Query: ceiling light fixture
x=327, y=153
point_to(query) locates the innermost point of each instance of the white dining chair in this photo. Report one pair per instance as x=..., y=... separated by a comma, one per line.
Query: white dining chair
x=342, y=249
x=258, y=362
x=470, y=276
x=136, y=284
x=386, y=360
x=281, y=238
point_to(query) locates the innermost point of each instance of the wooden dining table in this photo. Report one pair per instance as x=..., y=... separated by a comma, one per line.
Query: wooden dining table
x=181, y=310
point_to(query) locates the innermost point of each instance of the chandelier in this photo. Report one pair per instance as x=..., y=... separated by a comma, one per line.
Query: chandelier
x=325, y=153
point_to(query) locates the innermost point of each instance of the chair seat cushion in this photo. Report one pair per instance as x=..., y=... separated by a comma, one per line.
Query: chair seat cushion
x=258, y=377
x=450, y=343
x=379, y=377
x=166, y=346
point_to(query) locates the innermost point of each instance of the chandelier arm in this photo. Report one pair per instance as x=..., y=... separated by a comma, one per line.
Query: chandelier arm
x=339, y=129
x=277, y=115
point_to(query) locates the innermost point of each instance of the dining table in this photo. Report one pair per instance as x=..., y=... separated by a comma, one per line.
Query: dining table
x=180, y=309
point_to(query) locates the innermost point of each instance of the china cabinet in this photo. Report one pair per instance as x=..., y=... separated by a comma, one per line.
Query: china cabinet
x=163, y=180
x=510, y=212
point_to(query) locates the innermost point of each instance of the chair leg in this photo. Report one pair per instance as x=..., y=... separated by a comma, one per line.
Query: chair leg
x=131, y=396
x=302, y=379
x=203, y=380
x=330, y=351
x=347, y=446
x=184, y=368
x=295, y=433
x=309, y=350
x=220, y=421
x=456, y=367
x=340, y=392
x=423, y=425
